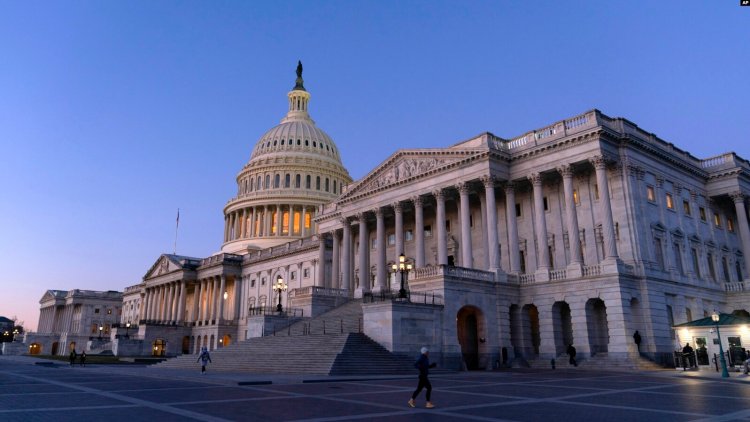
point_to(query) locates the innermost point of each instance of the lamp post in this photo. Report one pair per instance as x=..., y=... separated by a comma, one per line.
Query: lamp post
x=100, y=332
x=279, y=287
x=724, y=372
x=127, y=328
x=402, y=267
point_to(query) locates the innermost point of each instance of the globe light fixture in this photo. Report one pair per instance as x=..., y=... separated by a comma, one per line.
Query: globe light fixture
x=402, y=267
x=279, y=287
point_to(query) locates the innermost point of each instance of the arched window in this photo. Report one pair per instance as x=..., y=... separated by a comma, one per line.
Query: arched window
x=307, y=182
x=315, y=144
x=299, y=142
x=287, y=180
x=317, y=183
x=276, y=181
x=307, y=143
x=274, y=142
x=327, y=185
x=282, y=142
x=334, y=186
x=268, y=181
x=252, y=182
x=257, y=183
x=297, y=181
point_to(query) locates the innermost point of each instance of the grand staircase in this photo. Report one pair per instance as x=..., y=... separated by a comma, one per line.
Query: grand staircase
x=600, y=361
x=304, y=348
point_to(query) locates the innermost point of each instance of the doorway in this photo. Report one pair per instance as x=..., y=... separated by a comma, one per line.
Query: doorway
x=469, y=321
x=159, y=347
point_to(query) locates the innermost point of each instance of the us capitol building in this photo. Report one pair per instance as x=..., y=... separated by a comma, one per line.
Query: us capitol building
x=581, y=232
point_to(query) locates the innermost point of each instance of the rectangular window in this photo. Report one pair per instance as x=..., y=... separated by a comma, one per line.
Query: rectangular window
x=293, y=275
x=471, y=220
x=551, y=253
x=428, y=231
x=696, y=262
x=659, y=253
x=670, y=202
x=308, y=220
x=717, y=220
x=678, y=258
x=94, y=328
x=392, y=239
x=725, y=267
x=734, y=342
x=576, y=198
x=297, y=228
x=650, y=193
x=306, y=272
x=109, y=312
x=448, y=226
x=711, y=269
x=522, y=258
x=373, y=243
x=518, y=210
x=738, y=269
x=409, y=235
x=730, y=224
x=686, y=207
x=702, y=213
x=546, y=203
x=670, y=320
x=285, y=222
x=96, y=311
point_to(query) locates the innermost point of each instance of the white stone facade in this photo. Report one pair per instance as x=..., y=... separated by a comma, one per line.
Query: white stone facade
x=580, y=232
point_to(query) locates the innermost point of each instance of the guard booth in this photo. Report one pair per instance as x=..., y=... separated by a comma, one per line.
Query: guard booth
x=701, y=336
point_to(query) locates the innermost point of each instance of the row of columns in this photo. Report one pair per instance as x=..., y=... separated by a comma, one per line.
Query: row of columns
x=739, y=206
x=257, y=221
x=165, y=303
x=491, y=235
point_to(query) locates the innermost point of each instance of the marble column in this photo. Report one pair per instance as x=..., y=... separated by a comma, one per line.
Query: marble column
x=418, y=232
x=198, y=301
x=442, y=241
x=510, y=214
x=320, y=279
x=226, y=228
x=346, y=276
x=144, y=306
x=467, y=255
x=267, y=221
x=574, y=242
x=739, y=207
x=239, y=283
x=364, y=253
x=303, y=215
x=220, y=299
x=382, y=270
x=279, y=217
x=542, y=260
x=336, y=261
x=399, y=212
x=608, y=226
x=492, y=238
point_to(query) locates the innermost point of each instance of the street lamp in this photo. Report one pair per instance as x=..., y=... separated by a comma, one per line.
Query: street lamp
x=100, y=332
x=724, y=372
x=402, y=267
x=279, y=287
x=127, y=328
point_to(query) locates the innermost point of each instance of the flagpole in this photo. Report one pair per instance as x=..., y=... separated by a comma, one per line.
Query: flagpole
x=177, y=226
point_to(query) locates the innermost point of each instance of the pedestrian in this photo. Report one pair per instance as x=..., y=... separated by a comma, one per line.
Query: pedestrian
x=637, y=340
x=572, y=355
x=72, y=357
x=204, y=358
x=83, y=358
x=424, y=365
x=687, y=353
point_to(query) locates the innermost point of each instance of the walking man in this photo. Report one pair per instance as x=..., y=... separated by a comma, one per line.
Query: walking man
x=204, y=358
x=72, y=357
x=424, y=365
x=572, y=354
x=83, y=358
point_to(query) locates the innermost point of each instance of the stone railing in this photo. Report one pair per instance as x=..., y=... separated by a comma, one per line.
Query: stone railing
x=451, y=271
x=318, y=291
x=291, y=246
x=560, y=274
x=592, y=270
x=222, y=257
x=576, y=122
x=284, y=193
x=738, y=286
x=526, y=278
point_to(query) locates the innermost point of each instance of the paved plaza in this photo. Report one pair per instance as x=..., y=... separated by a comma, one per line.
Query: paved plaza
x=57, y=392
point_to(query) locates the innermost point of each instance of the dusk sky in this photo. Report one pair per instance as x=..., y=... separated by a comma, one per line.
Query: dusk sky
x=115, y=114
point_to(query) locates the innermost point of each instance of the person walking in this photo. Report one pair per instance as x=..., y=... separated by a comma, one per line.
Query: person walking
x=572, y=354
x=637, y=340
x=688, y=354
x=72, y=357
x=83, y=358
x=424, y=365
x=204, y=358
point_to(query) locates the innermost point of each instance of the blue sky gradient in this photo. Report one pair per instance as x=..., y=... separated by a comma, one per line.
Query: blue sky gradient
x=114, y=114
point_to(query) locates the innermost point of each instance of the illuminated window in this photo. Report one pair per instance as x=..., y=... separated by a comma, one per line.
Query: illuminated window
x=308, y=220
x=576, y=198
x=285, y=222
x=670, y=202
x=686, y=207
x=297, y=222
x=650, y=193
x=730, y=224
x=717, y=220
x=274, y=218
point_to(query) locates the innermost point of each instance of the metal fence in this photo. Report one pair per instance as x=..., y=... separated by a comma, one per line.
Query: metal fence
x=424, y=298
x=271, y=311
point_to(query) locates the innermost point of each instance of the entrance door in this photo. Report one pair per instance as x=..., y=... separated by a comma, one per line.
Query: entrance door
x=701, y=351
x=160, y=347
x=468, y=337
x=54, y=348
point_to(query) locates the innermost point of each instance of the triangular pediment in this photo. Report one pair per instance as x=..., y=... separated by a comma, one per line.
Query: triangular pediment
x=52, y=295
x=165, y=264
x=408, y=165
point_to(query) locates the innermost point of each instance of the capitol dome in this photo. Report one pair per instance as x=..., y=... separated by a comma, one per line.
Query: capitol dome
x=294, y=168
